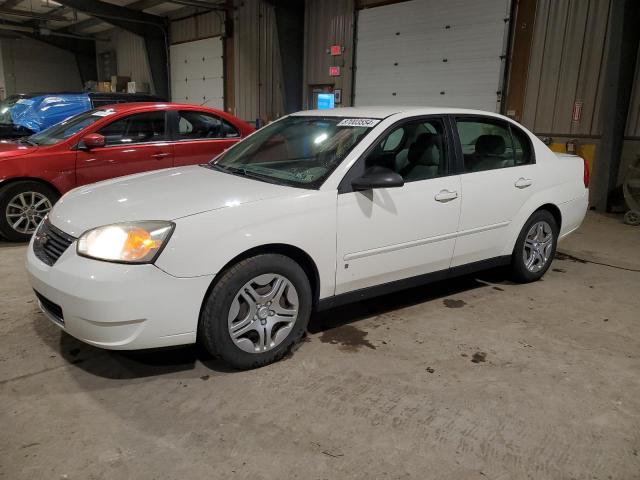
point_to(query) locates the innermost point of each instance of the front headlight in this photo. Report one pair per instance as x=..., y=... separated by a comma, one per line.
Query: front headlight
x=131, y=242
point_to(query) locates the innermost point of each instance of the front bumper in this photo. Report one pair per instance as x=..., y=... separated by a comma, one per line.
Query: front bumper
x=118, y=306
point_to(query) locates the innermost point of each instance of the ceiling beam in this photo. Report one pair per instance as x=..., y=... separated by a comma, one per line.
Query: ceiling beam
x=11, y=12
x=93, y=22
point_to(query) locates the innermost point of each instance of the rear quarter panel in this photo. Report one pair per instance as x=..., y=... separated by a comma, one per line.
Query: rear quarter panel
x=560, y=182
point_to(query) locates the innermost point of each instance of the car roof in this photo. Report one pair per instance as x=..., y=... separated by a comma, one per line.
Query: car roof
x=386, y=111
x=131, y=106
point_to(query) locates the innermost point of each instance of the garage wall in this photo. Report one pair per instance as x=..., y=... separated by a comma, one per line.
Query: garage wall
x=328, y=22
x=633, y=122
x=631, y=146
x=131, y=54
x=257, y=66
x=33, y=66
x=567, y=57
x=197, y=27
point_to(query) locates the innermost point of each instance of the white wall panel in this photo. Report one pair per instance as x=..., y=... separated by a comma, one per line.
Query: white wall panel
x=197, y=72
x=429, y=52
x=33, y=66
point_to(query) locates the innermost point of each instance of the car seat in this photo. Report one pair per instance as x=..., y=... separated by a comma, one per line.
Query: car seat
x=489, y=154
x=423, y=157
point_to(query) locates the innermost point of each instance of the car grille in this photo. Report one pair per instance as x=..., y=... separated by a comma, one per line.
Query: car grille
x=51, y=308
x=50, y=243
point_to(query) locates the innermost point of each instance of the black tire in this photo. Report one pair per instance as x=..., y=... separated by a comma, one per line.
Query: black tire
x=519, y=270
x=8, y=193
x=214, y=329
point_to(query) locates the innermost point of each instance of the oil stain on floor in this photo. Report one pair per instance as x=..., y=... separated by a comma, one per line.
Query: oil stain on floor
x=451, y=303
x=348, y=337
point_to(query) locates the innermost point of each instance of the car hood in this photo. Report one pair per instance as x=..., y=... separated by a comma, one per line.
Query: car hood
x=159, y=195
x=9, y=149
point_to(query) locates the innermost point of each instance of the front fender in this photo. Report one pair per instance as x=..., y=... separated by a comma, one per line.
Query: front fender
x=203, y=244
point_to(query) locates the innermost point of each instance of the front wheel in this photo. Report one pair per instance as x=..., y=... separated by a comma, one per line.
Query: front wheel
x=22, y=206
x=257, y=311
x=535, y=247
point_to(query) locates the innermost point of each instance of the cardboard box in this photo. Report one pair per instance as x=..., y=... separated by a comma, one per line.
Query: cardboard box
x=104, y=87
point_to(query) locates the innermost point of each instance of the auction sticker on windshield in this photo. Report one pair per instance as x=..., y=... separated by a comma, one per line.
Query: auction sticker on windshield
x=359, y=122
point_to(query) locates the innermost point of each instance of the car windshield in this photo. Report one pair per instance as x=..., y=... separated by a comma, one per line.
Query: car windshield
x=297, y=151
x=63, y=130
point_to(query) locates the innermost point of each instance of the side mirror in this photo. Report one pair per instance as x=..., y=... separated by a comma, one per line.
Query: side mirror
x=93, y=140
x=377, y=177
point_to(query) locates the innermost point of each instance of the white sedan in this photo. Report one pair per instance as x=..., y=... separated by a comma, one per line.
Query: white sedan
x=315, y=210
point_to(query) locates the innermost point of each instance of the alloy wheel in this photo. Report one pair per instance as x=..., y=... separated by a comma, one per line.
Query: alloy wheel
x=538, y=245
x=262, y=313
x=26, y=210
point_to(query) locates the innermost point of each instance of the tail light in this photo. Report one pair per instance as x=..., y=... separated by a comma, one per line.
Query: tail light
x=586, y=173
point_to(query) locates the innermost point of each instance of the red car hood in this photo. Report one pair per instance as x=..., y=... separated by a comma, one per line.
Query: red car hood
x=15, y=149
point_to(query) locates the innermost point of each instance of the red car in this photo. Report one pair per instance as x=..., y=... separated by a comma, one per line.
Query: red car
x=107, y=142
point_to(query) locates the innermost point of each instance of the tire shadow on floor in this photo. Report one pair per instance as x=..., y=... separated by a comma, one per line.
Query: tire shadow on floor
x=354, y=312
x=125, y=365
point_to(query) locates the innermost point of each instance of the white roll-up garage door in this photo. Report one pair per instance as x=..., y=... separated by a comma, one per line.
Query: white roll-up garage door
x=197, y=72
x=432, y=52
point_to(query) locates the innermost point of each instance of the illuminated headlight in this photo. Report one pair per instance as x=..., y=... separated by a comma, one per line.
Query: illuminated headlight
x=131, y=242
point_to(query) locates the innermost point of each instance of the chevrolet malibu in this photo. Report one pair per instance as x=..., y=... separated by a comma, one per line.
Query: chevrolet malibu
x=103, y=143
x=315, y=210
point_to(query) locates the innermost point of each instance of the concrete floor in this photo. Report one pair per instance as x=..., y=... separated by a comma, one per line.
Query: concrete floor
x=475, y=378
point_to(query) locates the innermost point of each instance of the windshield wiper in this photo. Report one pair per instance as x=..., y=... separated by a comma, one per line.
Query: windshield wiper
x=213, y=166
x=243, y=172
x=27, y=141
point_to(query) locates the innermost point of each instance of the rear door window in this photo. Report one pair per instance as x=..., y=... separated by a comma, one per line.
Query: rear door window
x=196, y=125
x=489, y=144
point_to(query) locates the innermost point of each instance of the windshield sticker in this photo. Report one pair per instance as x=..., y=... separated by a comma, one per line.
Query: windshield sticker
x=103, y=113
x=359, y=122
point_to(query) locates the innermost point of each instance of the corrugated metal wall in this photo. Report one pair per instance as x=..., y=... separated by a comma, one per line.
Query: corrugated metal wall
x=197, y=27
x=131, y=54
x=633, y=122
x=328, y=22
x=132, y=58
x=258, y=72
x=567, y=57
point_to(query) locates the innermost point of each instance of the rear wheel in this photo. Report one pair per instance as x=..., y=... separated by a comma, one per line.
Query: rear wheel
x=23, y=205
x=535, y=247
x=257, y=311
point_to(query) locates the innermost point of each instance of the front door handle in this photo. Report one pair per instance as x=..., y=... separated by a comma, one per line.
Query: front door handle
x=523, y=182
x=159, y=156
x=445, y=196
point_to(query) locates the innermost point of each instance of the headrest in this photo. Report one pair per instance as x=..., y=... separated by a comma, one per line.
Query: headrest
x=425, y=150
x=490, y=145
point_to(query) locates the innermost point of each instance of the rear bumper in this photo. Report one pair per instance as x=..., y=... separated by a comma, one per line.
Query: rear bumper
x=116, y=306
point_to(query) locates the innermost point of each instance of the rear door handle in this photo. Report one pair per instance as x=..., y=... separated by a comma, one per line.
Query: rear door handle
x=160, y=155
x=523, y=182
x=445, y=196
